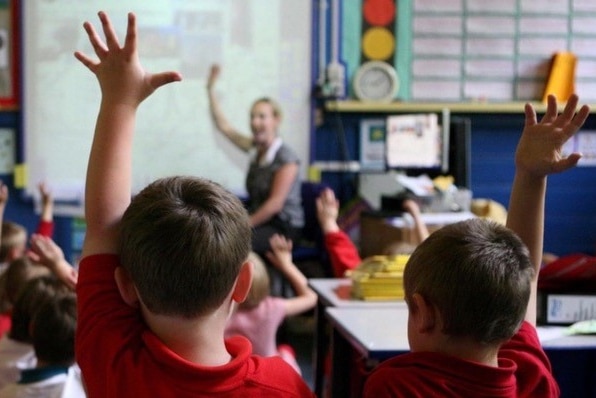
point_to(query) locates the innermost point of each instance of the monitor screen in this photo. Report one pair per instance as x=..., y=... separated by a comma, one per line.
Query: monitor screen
x=414, y=141
x=444, y=151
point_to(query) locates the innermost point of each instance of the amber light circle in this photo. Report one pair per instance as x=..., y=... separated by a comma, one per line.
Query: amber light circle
x=378, y=12
x=378, y=44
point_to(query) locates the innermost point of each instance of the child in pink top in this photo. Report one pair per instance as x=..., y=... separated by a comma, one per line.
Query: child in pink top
x=260, y=315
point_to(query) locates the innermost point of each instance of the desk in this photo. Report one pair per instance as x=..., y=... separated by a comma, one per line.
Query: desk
x=359, y=329
x=335, y=292
x=379, y=229
x=573, y=358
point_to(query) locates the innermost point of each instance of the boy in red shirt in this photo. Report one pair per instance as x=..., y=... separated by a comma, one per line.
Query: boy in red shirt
x=162, y=272
x=471, y=288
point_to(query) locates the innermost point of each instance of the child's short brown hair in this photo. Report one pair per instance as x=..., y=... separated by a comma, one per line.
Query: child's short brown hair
x=31, y=297
x=183, y=241
x=53, y=330
x=18, y=273
x=478, y=274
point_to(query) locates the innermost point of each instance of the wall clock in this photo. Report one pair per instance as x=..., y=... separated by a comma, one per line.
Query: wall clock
x=375, y=81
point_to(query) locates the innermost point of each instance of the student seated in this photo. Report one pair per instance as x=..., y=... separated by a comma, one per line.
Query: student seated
x=343, y=254
x=13, y=238
x=52, y=333
x=160, y=273
x=13, y=246
x=16, y=347
x=260, y=315
x=471, y=288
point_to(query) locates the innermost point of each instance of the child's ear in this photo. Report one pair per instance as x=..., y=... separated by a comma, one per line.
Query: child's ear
x=423, y=313
x=126, y=287
x=243, y=282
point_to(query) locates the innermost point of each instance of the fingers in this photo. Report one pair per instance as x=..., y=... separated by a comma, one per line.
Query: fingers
x=108, y=30
x=579, y=118
x=214, y=72
x=159, y=79
x=130, y=41
x=280, y=242
x=85, y=60
x=530, y=113
x=568, y=113
x=551, y=110
x=566, y=163
x=3, y=193
x=98, y=45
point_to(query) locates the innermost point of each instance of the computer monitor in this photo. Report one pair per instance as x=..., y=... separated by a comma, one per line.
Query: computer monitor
x=451, y=155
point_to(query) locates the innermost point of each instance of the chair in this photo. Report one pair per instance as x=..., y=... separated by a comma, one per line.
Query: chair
x=309, y=254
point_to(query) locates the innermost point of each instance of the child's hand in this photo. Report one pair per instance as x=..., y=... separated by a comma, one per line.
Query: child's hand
x=121, y=77
x=327, y=210
x=45, y=194
x=411, y=207
x=213, y=75
x=539, y=149
x=281, y=251
x=3, y=195
x=44, y=250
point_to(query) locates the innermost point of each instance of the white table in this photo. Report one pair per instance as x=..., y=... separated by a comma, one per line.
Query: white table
x=335, y=292
x=380, y=333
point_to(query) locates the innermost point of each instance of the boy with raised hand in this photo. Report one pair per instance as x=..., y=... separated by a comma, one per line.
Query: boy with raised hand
x=160, y=274
x=471, y=288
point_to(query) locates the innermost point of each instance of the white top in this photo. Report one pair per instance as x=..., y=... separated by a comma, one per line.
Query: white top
x=14, y=357
x=64, y=385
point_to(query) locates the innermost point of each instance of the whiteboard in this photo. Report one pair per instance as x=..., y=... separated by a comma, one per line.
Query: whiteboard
x=263, y=47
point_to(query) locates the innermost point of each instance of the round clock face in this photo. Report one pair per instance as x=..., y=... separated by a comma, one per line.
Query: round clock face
x=375, y=81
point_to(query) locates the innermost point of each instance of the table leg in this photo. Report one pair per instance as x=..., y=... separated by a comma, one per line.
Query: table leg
x=321, y=348
x=340, y=365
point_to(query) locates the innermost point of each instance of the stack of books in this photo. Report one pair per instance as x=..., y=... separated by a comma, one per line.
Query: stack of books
x=379, y=278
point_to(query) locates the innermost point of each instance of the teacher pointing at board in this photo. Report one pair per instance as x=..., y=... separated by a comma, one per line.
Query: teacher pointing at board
x=272, y=181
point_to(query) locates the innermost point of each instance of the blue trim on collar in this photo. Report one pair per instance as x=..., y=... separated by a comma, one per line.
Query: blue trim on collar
x=39, y=374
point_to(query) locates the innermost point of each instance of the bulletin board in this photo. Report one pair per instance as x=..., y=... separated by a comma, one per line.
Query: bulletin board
x=261, y=51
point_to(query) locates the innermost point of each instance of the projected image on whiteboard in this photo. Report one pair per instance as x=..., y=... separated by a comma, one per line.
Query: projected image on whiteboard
x=261, y=51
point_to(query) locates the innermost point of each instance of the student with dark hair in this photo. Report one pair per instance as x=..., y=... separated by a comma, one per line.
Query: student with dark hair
x=160, y=272
x=13, y=246
x=470, y=288
x=16, y=347
x=52, y=333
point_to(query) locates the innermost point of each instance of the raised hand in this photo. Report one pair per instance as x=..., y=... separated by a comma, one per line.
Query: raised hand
x=214, y=72
x=539, y=151
x=327, y=211
x=45, y=194
x=3, y=195
x=46, y=252
x=281, y=251
x=121, y=76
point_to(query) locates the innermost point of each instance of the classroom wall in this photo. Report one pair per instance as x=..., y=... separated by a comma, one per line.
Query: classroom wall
x=455, y=50
x=571, y=202
x=571, y=197
x=21, y=209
